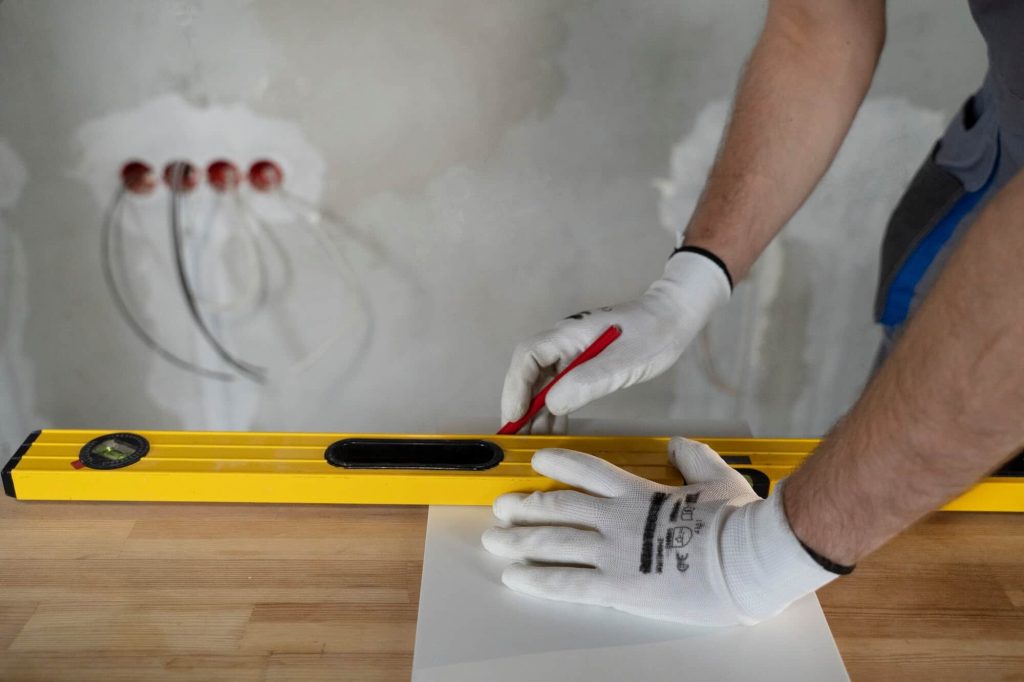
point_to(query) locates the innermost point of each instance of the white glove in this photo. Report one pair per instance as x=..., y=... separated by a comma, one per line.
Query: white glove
x=656, y=328
x=709, y=553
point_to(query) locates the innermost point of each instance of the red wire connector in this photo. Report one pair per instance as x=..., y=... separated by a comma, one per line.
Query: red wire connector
x=181, y=176
x=265, y=175
x=223, y=175
x=138, y=178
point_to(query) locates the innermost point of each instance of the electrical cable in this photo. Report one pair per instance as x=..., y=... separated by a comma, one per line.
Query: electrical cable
x=111, y=233
x=256, y=227
x=313, y=218
x=279, y=312
x=256, y=292
x=253, y=372
x=316, y=214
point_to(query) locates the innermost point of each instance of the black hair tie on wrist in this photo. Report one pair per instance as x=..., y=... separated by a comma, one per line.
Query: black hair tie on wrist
x=710, y=256
x=827, y=564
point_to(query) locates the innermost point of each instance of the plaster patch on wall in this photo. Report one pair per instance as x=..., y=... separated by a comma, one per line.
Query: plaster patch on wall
x=691, y=162
x=169, y=128
x=17, y=392
x=13, y=175
x=825, y=259
x=416, y=87
x=500, y=151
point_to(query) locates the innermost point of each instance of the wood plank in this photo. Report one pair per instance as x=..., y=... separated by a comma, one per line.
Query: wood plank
x=944, y=599
x=106, y=666
x=105, y=591
x=66, y=538
x=157, y=628
x=936, y=603
x=331, y=628
x=332, y=667
x=13, y=616
x=931, y=660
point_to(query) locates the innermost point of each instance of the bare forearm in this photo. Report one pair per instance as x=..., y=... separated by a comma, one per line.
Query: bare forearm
x=797, y=98
x=944, y=410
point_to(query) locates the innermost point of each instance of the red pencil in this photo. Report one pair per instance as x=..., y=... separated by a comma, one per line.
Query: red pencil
x=589, y=353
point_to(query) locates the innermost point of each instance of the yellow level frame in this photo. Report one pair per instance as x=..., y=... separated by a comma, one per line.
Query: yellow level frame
x=185, y=466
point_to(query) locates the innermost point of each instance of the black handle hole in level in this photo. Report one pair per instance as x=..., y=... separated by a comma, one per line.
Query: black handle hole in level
x=1015, y=467
x=113, y=451
x=384, y=453
x=758, y=480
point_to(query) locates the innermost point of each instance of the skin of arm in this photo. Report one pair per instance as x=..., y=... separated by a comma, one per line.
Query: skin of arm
x=944, y=409
x=802, y=86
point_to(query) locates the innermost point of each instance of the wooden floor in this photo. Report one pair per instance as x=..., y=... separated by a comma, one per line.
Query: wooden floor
x=220, y=592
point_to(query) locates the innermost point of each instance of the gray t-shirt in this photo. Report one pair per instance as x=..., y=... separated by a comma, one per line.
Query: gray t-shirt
x=991, y=125
x=982, y=149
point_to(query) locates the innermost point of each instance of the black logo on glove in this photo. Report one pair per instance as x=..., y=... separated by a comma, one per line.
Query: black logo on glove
x=581, y=315
x=678, y=536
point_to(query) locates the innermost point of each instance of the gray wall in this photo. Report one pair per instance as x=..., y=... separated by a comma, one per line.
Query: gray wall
x=502, y=164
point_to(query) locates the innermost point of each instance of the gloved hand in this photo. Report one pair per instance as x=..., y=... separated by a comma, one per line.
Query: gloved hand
x=710, y=552
x=656, y=328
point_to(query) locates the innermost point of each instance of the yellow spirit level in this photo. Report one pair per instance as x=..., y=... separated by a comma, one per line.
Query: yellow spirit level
x=323, y=468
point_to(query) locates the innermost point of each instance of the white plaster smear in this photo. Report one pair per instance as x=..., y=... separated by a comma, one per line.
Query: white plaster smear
x=169, y=128
x=841, y=226
x=17, y=389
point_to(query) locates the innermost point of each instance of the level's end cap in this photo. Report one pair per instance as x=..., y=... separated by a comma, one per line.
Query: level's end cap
x=6, y=475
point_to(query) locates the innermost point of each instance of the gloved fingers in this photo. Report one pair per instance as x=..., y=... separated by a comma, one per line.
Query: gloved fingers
x=551, y=544
x=541, y=424
x=547, y=424
x=698, y=463
x=530, y=360
x=583, y=471
x=595, y=379
x=558, y=507
x=580, y=585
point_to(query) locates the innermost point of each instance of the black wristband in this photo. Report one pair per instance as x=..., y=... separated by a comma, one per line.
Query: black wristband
x=827, y=564
x=710, y=256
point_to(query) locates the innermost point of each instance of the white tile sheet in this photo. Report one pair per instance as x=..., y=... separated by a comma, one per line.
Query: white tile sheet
x=473, y=628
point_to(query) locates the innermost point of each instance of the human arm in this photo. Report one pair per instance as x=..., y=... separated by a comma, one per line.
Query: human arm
x=944, y=409
x=795, y=102
x=797, y=98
